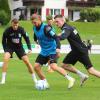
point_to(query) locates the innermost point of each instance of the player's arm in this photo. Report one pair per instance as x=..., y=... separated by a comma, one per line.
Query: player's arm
x=35, y=39
x=51, y=34
x=4, y=40
x=26, y=37
x=65, y=33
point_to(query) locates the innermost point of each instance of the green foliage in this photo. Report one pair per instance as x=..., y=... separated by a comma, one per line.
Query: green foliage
x=91, y=15
x=4, y=11
x=19, y=84
x=98, y=2
x=4, y=18
x=89, y=30
x=4, y=5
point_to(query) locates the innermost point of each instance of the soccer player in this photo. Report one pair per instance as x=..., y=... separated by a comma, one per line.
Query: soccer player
x=79, y=50
x=12, y=42
x=49, y=45
x=50, y=23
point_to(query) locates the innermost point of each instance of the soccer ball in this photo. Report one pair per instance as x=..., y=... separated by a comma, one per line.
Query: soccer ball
x=42, y=85
x=39, y=85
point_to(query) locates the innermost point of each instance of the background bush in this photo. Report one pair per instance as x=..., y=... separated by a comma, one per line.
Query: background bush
x=4, y=18
x=4, y=12
x=91, y=15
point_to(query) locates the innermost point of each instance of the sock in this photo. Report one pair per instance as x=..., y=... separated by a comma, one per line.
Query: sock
x=46, y=83
x=49, y=67
x=3, y=77
x=45, y=80
x=68, y=77
x=1, y=64
x=80, y=74
x=34, y=78
x=46, y=64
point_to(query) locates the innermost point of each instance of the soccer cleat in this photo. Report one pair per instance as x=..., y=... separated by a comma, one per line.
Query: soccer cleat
x=83, y=79
x=46, y=85
x=2, y=82
x=71, y=83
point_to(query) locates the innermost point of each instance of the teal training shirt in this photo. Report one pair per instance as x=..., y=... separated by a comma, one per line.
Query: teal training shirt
x=47, y=44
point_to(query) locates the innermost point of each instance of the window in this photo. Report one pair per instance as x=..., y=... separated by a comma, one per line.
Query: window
x=36, y=10
x=51, y=12
x=56, y=11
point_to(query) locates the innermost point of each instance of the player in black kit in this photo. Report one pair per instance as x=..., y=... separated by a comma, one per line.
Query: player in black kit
x=79, y=51
x=12, y=42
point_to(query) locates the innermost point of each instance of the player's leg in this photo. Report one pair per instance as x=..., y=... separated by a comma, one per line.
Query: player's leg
x=91, y=70
x=40, y=60
x=87, y=63
x=60, y=70
x=50, y=70
x=6, y=58
x=64, y=73
x=22, y=55
x=57, y=57
x=94, y=72
x=72, y=58
x=28, y=64
x=72, y=69
x=30, y=67
x=37, y=67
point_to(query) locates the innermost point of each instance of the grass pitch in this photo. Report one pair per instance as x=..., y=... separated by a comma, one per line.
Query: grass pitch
x=19, y=85
x=88, y=30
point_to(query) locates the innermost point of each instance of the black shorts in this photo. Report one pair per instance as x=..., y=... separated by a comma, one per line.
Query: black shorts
x=20, y=52
x=43, y=60
x=73, y=57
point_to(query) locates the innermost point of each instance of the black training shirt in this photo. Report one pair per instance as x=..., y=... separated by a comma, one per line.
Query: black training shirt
x=71, y=34
x=13, y=38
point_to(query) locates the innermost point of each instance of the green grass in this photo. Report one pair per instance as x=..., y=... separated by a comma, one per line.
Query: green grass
x=87, y=30
x=19, y=85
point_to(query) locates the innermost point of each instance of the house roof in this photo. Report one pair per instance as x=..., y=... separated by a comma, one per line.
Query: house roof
x=87, y=3
x=33, y=2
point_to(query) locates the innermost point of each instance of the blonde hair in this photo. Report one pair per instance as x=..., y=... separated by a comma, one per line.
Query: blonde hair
x=35, y=16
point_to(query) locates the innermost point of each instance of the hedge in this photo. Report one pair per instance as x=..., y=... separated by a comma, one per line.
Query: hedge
x=4, y=12
x=91, y=15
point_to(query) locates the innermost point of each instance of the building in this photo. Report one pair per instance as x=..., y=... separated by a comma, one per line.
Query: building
x=69, y=8
x=75, y=6
x=46, y=7
x=16, y=7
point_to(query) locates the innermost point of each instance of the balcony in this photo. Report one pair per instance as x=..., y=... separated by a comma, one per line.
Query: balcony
x=33, y=2
x=81, y=3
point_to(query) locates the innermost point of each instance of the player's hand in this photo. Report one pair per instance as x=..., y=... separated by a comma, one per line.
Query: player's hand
x=59, y=34
x=36, y=42
x=29, y=52
x=58, y=50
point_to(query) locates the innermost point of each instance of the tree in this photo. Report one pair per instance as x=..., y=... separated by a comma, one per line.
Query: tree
x=4, y=9
x=98, y=2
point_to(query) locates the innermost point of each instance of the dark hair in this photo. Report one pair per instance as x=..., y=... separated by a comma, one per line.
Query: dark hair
x=15, y=20
x=58, y=16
